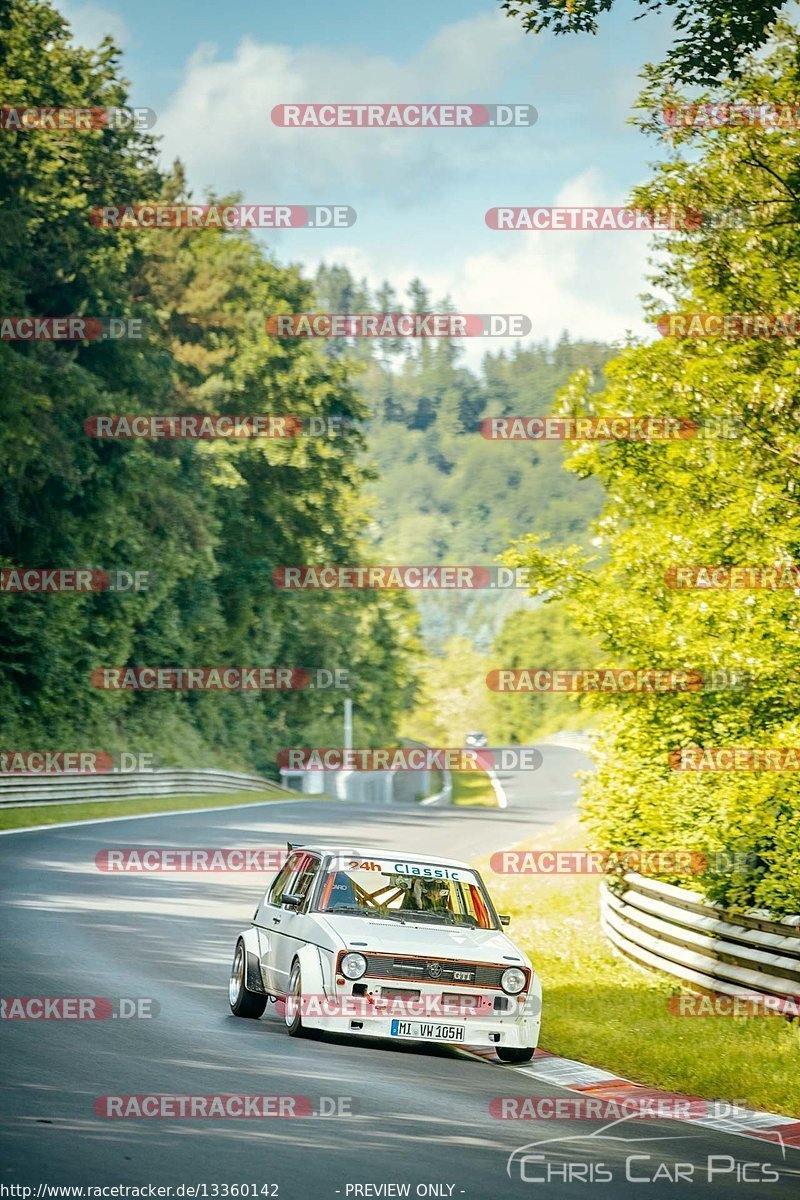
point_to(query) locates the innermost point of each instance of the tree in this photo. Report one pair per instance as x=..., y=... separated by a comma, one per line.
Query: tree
x=714, y=35
x=210, y=521
x=728, y=496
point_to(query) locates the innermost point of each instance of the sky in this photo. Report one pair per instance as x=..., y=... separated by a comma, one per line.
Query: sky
x=213, y=73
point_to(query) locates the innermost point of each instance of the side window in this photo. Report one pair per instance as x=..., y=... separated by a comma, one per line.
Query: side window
x=305, y=878
x=281, y=880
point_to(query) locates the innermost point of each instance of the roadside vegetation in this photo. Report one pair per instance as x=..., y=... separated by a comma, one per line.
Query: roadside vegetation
x=727, y=496
x=600, y=1008
x=207, y=521
x=473, y=789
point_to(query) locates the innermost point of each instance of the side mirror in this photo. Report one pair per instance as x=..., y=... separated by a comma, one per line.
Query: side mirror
x=505, y=919
x=291, y=899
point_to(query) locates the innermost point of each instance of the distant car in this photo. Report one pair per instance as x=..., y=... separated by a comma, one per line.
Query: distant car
x=476, y=739
x=365, y=942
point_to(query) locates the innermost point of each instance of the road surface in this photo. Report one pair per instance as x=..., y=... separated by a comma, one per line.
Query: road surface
x=419, y=1115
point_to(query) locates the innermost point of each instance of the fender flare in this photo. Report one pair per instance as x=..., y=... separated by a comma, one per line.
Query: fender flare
x=253, y=981
x=311, y=970
x=533, y=1004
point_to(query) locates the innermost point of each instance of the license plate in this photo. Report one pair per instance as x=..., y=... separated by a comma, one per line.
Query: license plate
x=428, y=1032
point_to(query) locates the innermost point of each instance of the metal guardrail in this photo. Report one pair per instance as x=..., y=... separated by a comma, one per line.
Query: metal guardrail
x=445, y=796
x=22, y=791
x=678, y=931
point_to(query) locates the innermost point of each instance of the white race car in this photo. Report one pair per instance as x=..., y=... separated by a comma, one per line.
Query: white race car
x=377, y=944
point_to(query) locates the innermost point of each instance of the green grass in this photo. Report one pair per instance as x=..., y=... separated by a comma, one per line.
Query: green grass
x=473, y=788
x=602, y=1009
x=22, y=818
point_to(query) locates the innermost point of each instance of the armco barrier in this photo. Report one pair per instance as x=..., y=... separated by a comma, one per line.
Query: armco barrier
x=375, y=787
x=678, y=931
x=20, y=791
x=362, y=787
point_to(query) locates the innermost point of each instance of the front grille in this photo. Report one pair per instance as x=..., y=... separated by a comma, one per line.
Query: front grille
x=433, y=970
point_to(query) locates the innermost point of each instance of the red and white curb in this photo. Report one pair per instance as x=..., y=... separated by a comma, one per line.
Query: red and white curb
x=604, y=1085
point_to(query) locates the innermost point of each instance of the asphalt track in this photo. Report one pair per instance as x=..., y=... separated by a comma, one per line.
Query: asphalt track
x=419, y=1114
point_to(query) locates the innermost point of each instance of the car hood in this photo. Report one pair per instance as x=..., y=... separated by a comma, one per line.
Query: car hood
x=389, y=937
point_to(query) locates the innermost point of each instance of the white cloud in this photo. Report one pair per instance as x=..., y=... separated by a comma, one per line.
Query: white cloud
x=421, y=195
x=219, y=121
x=585, y=282
x=91, y=22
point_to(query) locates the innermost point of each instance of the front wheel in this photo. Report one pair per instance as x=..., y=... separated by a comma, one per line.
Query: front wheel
x=515, y=1054
x=242, y=1002
x=294, y=998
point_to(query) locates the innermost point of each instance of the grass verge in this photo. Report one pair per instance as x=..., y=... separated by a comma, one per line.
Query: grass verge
x=23, y=818
x=473, y=789
x=602, y=1009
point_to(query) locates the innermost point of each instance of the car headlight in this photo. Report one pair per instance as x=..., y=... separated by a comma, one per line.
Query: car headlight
x=352, y=966
x=513, y=981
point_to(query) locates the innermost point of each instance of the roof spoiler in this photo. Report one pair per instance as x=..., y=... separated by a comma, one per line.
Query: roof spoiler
x=344, y=847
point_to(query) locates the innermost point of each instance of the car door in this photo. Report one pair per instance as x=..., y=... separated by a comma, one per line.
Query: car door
x=294, y=923
x=269, y=919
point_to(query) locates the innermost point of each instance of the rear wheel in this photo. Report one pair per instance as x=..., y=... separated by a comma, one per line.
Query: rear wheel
x=515, y=1054
x=292, y=1014
x=242, y=1002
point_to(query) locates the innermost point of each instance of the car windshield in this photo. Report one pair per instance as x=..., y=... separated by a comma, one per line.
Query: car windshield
x=406, y=892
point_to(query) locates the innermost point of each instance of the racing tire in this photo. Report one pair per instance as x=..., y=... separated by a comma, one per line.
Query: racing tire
x=292, y=1015
x=515, y=1054
x=242, y=1002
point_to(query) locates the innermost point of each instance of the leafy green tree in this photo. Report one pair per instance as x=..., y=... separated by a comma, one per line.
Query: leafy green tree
x=545, y=637
x=727, y=496
x=209, y=521
x=713, y=36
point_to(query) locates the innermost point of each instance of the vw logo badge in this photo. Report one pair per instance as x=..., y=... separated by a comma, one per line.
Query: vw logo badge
x=434, y=969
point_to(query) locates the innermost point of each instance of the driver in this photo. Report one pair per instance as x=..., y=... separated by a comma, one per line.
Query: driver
x=427, y=895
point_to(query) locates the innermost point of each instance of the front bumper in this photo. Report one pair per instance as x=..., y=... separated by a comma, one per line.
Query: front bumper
x=348, y=1012
x=478, y=1031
